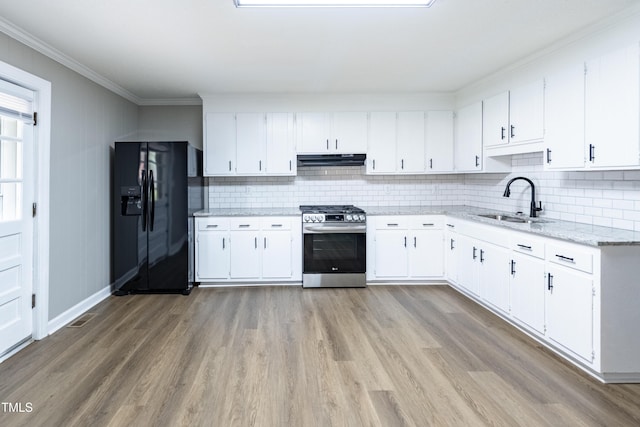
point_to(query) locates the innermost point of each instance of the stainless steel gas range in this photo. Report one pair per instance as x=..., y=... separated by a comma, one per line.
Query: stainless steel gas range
x=334, y=239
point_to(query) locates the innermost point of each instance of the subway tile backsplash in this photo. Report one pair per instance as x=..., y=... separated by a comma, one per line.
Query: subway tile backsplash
x=609, y=198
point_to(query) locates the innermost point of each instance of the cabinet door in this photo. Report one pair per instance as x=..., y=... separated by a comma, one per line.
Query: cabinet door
x=494, y=275
x=349, y=133
x=439, y=141
x=468, y=141
x=495, y=120
x=410, y=142
x=391, y=254
x=468, y=260
x=212, y=256
x=251, y=139
x=526, y=112
x=281, y=152
x=381, y=155
x=276, y=255
x=220, y=144
x=569, y=310
x=527, y=290
x=452, y=256
x=314, y=131
x=426, y=254
x=612, y=108
x=564, y=118
x=245, y=255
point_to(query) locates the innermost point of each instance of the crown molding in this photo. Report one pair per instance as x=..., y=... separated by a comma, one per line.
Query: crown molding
x=49, y=51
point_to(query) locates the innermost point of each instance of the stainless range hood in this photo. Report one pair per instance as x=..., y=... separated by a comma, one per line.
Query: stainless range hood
x=308, y=160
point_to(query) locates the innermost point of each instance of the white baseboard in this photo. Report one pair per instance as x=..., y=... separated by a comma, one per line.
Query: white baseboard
x=83, y=306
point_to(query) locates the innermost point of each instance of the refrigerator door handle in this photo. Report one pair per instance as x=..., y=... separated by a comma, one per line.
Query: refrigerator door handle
x=152, y=213
x=144, y=200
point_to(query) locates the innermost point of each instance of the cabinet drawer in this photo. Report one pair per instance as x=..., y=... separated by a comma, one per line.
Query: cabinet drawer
x=212, y=224
x=431, y=222
x=570, y=256
x=392, y=223
x=528, y=245
x=276, y=223
x=245, y=223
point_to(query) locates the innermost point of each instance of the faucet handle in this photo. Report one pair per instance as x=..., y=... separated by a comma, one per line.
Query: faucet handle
x=539, y=207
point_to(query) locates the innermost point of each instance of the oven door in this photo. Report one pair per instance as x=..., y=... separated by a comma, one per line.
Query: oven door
x=334, y=252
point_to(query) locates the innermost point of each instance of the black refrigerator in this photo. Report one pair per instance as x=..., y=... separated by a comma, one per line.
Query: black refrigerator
x=156, y=188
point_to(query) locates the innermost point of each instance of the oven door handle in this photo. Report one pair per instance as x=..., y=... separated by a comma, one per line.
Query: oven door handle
x=331, y=229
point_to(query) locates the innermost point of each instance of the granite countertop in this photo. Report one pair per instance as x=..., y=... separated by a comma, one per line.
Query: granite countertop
x=282, y=211
x=585, y=234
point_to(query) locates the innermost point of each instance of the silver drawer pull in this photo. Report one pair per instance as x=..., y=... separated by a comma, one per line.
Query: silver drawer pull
x=428, y=225
x=276, y=225
x=244, y=225
x=565, y=258
x=524, y=247
x=392, y=225
x=212, y=225
x=451, y=226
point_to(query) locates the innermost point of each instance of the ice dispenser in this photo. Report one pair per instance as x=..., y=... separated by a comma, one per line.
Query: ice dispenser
x=131, y=200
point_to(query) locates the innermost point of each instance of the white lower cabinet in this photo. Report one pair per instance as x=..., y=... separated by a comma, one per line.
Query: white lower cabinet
x=569, y=310
x=405, y=247
x=527, y=286
x=212, y=249
x=246, y=249
x=494, y=275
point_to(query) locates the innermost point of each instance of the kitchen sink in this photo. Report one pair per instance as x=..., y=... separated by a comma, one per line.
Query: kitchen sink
x=515, y=219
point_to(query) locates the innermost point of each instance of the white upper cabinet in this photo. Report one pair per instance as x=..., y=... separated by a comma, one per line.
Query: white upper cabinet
x=439, y=141
x=220, y=144
x=612, y=109
x=564, y=118
x=281, y=149
x=526, y=113
x=468, y=138
x=249, y=144
x=410, y=142
x=251, y=139
x=495, y=120
x=515, y=116
x=381, y=153
x=396, y=143
x=322, y=133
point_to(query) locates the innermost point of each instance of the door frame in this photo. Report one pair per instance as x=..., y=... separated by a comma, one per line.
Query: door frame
x=42, y=143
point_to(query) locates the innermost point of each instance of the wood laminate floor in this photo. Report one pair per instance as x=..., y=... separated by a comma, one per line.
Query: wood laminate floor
x=284, y=356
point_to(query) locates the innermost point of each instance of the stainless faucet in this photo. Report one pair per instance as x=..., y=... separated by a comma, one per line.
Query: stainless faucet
x=534, y=208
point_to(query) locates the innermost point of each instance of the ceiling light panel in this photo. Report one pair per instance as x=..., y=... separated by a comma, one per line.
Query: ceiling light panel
x=333, y=3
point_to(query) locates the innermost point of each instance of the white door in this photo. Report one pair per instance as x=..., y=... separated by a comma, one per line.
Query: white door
x=313, y=132
x=16, y=225
x=245, y=255
x=526, y=112
x=527, y=291
x=212, y=256
x=391, y=254
x=494, y=275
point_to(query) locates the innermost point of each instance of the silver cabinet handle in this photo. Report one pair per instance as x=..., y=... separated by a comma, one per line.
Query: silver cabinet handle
x=392, y=225
x=524, y=247
x=260, y=165
x=255, y=242
x=244, y=225
x=265, y=243
x=415, y=242
x=229, y=165
x=223, y=243
x=212, y=226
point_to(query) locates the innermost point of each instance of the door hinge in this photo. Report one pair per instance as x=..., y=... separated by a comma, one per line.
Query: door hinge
x=34, y=209
x=33, y=300
x=35, y=118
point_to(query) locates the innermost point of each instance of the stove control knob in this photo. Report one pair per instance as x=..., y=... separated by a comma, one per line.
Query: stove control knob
x=349, y=217
x=362, y=217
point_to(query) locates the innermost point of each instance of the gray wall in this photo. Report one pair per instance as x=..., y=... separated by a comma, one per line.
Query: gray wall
x=86, y=119
x=171, y=123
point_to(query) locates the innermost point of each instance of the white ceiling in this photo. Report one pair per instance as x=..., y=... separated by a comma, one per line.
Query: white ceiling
x=169, y=49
